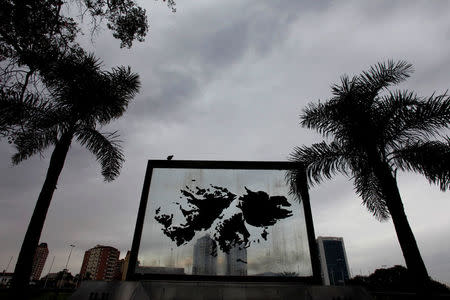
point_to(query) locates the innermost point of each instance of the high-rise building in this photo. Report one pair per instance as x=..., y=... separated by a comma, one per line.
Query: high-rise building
x=205, y=256
x=39, y=261
x=100, y=263
x=124, y=265
x=333, y=260
x=236, y=260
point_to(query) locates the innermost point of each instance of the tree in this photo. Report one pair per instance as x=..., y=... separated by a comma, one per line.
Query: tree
x=374, y=133
x=52, y=92
x=34, y=33
x=82, y=98
x=393, y=279
x=29, y=25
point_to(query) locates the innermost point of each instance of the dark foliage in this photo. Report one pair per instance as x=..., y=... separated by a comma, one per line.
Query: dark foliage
x=394, y=279
x=36, y=35
x=375, y=132
x=52, y=92
x=81, y=98
x=398, y=127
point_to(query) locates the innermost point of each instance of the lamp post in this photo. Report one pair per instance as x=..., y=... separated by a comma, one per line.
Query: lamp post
x=70, y=253
x=65, y=271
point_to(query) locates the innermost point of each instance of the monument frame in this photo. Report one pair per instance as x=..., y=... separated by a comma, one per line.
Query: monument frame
x=236, y=165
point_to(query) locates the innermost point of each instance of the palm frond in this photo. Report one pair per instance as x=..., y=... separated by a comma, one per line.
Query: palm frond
x=69, y=70
x=321, y=160
x=30, y=142
x=415, y=118
x=122, y=86
x=391, y=112
x=75, y=81
x=297, y=181
x=20, y=117
x=126, y=83
x=346, y=117
x=322, y=117
x=15, y=110
x=346, y=87
x=95, y=95
x=106, y=148
x=332, y=118
x=430, y=158
x=384, y=74
x=367, y=124
x=430, y=117
x=369, y=189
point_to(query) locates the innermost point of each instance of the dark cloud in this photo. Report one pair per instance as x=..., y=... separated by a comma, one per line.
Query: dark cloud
x=170, y=92
x=224, y=46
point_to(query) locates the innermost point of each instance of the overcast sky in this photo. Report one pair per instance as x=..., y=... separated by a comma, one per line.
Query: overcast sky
x=226, y=80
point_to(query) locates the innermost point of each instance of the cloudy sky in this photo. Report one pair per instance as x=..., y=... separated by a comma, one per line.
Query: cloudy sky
x=226, y=80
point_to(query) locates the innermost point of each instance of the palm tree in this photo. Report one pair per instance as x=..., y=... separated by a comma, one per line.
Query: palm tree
x=81, y=98
x=372, y=133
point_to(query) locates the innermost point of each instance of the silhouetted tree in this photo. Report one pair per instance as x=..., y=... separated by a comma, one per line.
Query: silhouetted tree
x=29, y=25
x=81, y=99
x=394, y=279
x=34, y=33
x=374, y=134
x=52, y=92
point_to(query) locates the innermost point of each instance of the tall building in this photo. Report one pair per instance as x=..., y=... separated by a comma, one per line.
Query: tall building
x=236, y=260
x=100, y=262
x=119, y=267
x=205, y=256
x=39, y=261
x=124, y=265
x=333, y=260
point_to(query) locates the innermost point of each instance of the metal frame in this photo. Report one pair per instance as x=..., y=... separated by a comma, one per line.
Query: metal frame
x=236, y=165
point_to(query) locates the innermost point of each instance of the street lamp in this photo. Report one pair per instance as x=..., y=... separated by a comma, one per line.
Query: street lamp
x=70, y=253
x=65, y=271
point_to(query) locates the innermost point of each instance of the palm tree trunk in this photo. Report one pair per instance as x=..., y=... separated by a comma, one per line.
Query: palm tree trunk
x=408, y=244
x=22, y=271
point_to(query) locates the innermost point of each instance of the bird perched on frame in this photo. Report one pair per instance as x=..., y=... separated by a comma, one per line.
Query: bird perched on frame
x=169, y=157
